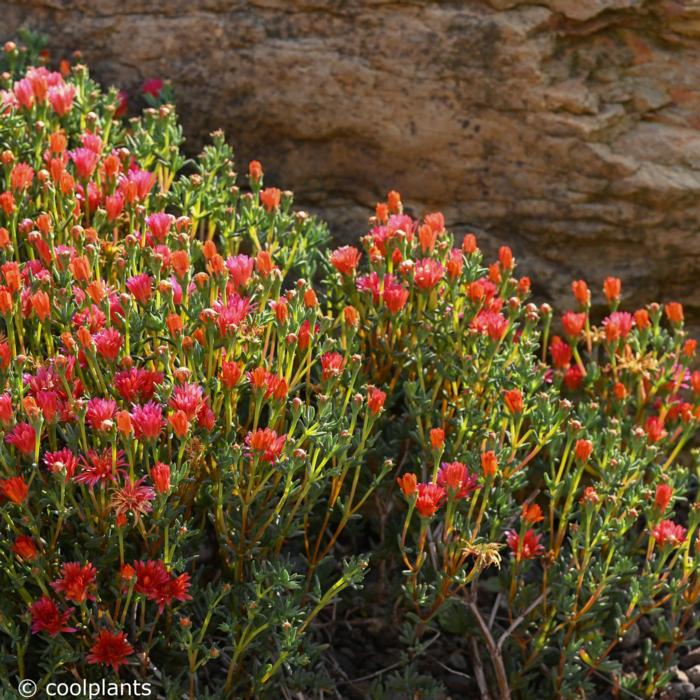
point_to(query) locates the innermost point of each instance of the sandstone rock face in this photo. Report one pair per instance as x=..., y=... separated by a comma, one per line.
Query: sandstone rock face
x=569, y=129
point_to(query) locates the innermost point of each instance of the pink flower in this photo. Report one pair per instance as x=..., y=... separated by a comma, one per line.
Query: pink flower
x=147, y=421
x=61, y=98
x=85, y=161
x=23, y=438
x=108, y=342
x=140, y=286
x=159, y=225
x=100, y=413
x=240, y=269
x=188, y=399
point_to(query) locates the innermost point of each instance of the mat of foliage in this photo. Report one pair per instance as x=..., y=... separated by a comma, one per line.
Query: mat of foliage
x=238, y=462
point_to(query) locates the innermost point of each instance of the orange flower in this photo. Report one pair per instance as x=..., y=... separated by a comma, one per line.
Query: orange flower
x=255, y=171
x=393, y=200
x=437, y=438
x=310, y=299
x=180, y=262
x=179, y=423
x=381, y=212
x=11, y=273
x=41, y=305
x=263, y=263
x=469, y=244
x=489, y=463
x=80, y=267
x=674, y=312
x=513, y=399
x=532, y=513
x=583, y=450
x=97, y=291
x=270, y=198
x=641, y=319
x=209, y=250
x=505, y=257
x=408, y=483
x=581, y=292
x=6, y=304
x=124, y=425
x=174, y=324
x=4, y=237
x=612, y=288
x=351, y=316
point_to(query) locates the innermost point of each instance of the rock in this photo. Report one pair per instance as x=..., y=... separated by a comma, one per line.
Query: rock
x=692, y=658
x=569, y=129
x=693, y=674
x=682, y=690
x=680, y=676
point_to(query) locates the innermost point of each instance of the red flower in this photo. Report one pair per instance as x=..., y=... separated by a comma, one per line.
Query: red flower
x=346, y=259
x=455, y=478
x=528, y=547
x=100, y=413
x=561, y=352
x=332, y=364
x=133, y=497
x=395, y=297
x=137, y=385
x=428, y=273
x=76, y=581
x=62, y=461
x=664, y=494
x=47, y=618
x=573, y=324
x=573, y=378
x=669, y=533
x=110, y=649
x=14, y=489
x=583, y=450
x=154, y=582
x=375, y=399
x=266, y=443
x=430, y=498
x=255, y=171
x=408, y=484
x=108, y=342
x=147, y=421
x=24, y=548
x=513, y=399
x=23, y=438
x=654, y=428
x=160, y=476
x=152, y=87
x=97, y=467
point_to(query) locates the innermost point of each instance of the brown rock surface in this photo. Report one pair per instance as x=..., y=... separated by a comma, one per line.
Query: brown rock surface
x=567, y=128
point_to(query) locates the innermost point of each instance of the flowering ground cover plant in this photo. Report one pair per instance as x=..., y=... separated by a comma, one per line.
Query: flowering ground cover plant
x=547, y=509
x=181, y=431
x=204, y=447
